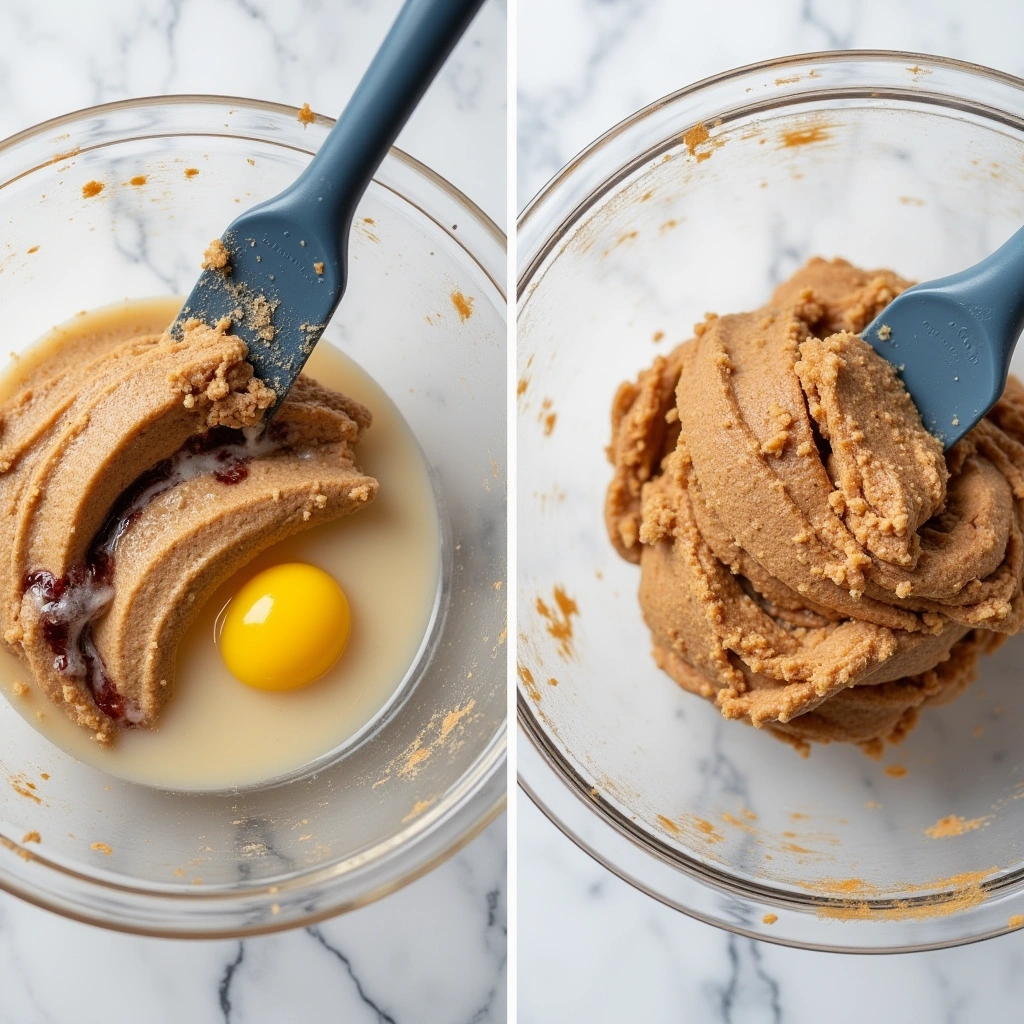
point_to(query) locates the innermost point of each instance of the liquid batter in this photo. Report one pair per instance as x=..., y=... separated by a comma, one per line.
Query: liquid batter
x=216, y=732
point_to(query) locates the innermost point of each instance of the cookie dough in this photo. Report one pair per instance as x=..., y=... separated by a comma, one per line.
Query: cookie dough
x=135, y=478
x=810, y=559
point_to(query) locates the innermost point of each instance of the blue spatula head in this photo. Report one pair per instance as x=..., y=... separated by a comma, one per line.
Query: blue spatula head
x=285, y=270
x=283, y=278
x=951, y=339
x=943, y=352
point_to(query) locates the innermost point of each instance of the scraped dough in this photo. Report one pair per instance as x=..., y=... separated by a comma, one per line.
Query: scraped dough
x=810, y=559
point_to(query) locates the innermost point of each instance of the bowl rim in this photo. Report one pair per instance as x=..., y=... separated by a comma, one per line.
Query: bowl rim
x=593, y=824
x=172, y=99
x=524, y=222
x=462, y=820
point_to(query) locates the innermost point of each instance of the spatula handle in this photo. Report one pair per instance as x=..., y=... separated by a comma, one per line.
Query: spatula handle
x=423, y=35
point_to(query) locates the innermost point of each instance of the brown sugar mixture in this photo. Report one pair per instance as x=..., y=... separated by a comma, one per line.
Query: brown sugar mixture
x=811, y=560
x=136, y=476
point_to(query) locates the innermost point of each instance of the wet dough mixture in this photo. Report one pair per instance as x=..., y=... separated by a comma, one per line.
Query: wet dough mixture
x=135, y=478
x=811, y=560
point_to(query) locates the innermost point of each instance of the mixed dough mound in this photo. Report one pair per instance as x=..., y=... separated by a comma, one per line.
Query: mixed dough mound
x=136, y=477
x=810, y=559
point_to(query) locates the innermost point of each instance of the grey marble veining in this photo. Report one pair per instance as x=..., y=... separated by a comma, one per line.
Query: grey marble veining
x=436, y=950
x=64, y=55
x=591, y=947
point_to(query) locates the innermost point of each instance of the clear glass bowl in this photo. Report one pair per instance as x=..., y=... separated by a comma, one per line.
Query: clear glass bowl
x=258, y=872
x=889, y=160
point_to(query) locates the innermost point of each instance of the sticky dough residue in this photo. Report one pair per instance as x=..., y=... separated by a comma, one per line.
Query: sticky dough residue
x=559, y=615
x=959, y=893
x=442, y=733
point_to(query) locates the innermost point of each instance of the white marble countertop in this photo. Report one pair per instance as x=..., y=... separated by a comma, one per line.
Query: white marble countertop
x=592, y=948
x=435, y=951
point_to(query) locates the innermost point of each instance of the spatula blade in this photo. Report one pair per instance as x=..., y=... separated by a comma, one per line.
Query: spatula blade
x=943, y=352
x=279, y=288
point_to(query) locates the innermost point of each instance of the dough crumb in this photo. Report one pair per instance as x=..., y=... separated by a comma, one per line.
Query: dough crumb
x=103, y=848
x=885, y=332
x=318, y=268
x=92, y=188
x=782, y=421
x=770, y=918
x=306, y=115
x=19, y=689
x=216, y=257
x=32, y=837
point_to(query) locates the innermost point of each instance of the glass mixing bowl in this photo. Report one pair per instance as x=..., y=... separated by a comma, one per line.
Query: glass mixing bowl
x=889, y=160
x=354, y=829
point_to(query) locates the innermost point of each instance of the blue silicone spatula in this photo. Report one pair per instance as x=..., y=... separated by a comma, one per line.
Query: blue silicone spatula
x=287, y=257
x=951, y=339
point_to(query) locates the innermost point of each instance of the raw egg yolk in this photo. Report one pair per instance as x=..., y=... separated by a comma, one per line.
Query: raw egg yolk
x=285, y=628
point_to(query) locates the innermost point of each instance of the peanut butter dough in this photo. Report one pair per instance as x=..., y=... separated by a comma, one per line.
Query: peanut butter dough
x=810, y=559
x=135, y=477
